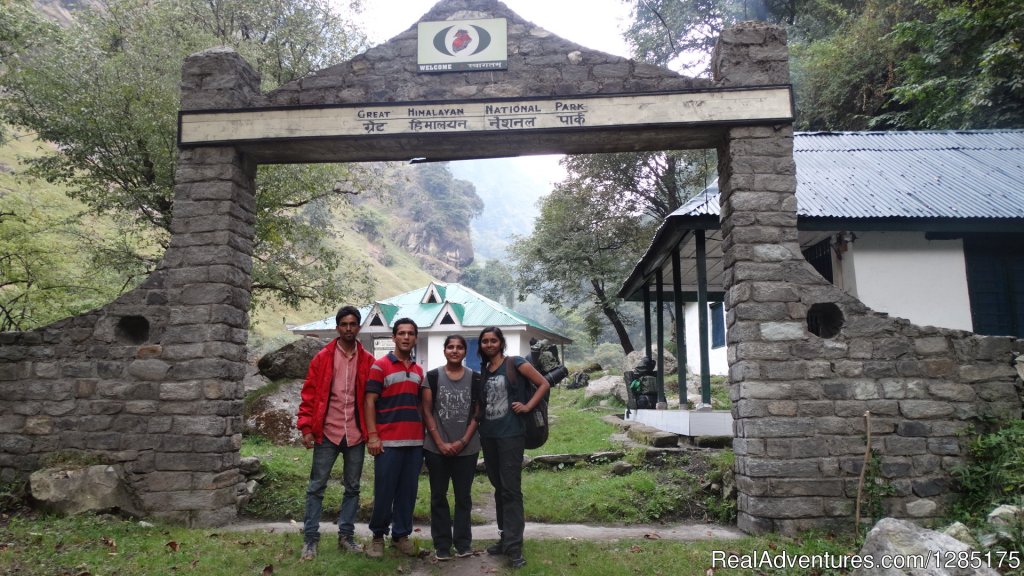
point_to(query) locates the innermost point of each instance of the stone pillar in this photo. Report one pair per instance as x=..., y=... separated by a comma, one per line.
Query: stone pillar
x=194, y=478
x=757, y=179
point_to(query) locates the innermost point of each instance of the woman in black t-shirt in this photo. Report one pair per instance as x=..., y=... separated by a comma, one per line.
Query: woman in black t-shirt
x=501, y=436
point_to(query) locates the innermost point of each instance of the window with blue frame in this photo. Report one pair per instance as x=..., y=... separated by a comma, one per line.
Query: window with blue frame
x=717, y=324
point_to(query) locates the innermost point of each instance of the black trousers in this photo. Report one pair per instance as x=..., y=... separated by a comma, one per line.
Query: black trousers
x=503, y=459
x=459, y=472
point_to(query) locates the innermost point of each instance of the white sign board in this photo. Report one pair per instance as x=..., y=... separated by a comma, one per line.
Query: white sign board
x=460, y=45
x=674, y=108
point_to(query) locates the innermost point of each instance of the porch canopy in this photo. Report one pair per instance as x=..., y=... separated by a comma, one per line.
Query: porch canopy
x=944, y=183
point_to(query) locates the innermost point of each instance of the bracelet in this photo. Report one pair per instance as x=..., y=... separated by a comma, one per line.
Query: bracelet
x=431, y=429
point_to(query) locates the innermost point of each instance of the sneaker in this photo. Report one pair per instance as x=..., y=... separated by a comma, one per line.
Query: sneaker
x=349, y=544
x=376, y=549
x=496, y=549
x=404, y=545
x=517, y=562
x=308, y=551
x=442, y=555
x=464, y=553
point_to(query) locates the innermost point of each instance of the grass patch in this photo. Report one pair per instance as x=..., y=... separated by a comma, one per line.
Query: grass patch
x=106, y=545
x=45, y=545
x=670, y=489
x=576, y=425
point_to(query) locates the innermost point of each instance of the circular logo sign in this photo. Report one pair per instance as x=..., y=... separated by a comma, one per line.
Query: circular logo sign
x=462, y=40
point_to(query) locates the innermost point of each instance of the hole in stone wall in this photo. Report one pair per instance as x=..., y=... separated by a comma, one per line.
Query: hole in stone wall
x=824, y=320
x=132, y=330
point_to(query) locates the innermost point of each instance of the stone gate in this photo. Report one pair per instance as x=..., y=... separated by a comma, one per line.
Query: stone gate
x=152, y=381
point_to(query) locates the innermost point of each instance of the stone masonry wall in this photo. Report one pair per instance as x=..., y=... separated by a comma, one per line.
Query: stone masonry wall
x=152, y=381
x=806, y=360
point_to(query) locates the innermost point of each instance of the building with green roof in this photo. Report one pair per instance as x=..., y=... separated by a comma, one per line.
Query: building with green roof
x=440, y=309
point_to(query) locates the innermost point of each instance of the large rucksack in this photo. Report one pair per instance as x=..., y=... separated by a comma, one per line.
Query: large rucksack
x=544, y=357
x=535, y=422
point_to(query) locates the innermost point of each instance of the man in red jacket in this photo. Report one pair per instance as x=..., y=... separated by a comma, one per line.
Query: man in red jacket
x=332, y=424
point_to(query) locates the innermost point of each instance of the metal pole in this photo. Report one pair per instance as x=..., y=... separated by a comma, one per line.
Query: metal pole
x=677, y=293
x=702, y=309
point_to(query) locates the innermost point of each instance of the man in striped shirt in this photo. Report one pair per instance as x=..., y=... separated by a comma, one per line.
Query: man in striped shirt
x=394, y=428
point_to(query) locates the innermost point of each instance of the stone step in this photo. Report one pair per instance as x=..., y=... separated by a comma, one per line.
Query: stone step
x=651, y=436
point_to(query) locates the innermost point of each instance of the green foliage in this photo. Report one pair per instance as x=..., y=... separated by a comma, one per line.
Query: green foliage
x=104, y=90
x=683, y=33
x=610, y=357
x=721, y=506
x=492, y=278
x=995, y=473
x=844, y=81
x=50, y=267
x=13, y=496
x=963, y=67
x=876, y=490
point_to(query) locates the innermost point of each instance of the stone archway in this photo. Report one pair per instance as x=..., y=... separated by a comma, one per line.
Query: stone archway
x=152, y=382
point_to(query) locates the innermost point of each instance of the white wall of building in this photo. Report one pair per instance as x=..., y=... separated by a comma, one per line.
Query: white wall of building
x=718, y=357
x=900, y=273
x=908, y=276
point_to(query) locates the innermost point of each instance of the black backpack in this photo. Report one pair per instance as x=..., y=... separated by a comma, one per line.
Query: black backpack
x=536, y=421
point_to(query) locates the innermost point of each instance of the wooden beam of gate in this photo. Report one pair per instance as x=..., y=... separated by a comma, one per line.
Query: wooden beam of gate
x=398, y=128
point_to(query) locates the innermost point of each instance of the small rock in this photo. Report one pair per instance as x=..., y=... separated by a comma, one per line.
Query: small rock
x=962, y=533
x=622, y=468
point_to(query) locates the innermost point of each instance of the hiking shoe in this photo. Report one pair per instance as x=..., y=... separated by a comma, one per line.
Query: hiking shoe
x=442, y=555
x=496, y=549
x=349, y=544
x=517, y=562
x=404, y=545
x=376, y=549
x=464, y=553
x=308, y=551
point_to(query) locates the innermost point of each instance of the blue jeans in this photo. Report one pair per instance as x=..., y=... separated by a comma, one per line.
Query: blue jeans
x=459, y=470
x=503, y=459
x=324, y=455
x=395, y=482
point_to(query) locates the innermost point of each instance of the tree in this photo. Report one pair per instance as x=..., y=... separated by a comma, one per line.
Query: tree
x=682, y=33
x=105, y=92
x=582, y=241
x=963, y=66
x=651, y=183
x=492, y=278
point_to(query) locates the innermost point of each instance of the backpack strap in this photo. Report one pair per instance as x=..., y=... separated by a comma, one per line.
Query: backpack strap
x=517, y=381
x=432, y=380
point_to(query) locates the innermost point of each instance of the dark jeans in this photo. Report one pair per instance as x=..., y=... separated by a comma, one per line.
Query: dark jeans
x=395, y=483
x=503, y=458
x=459, y=470
x=324, y=455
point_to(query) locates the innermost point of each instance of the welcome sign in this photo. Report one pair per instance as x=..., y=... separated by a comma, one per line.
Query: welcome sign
x=461, y=45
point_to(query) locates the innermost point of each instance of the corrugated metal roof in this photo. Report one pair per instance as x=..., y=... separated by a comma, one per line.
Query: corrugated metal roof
x=470, y=307
x=976, y=174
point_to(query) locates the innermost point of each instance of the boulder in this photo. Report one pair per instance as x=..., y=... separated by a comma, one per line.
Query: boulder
x=634, y=358
x=607, y=386
x=892, y=539
x=66, y=492
x=291, y=360
x=273, y=416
